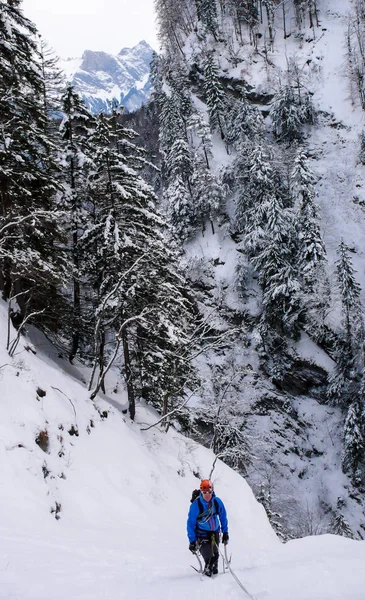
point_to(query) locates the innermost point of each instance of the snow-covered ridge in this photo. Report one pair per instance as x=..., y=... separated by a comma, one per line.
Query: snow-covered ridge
x=101, y=78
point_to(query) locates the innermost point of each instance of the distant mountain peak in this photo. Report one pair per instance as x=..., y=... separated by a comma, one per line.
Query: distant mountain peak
x=140, y=46
x=100, y=77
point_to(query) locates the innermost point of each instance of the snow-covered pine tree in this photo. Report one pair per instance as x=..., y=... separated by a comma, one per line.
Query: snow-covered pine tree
x=214, y=95
x=76, y=128
x=156, y=78
x=344, y=381
x=30, y=268
x=208, y=195
x=292, y=106
x=243, y=122
x=177, y=165
x=286, y=116
x=172, y=125
x=350, y=297
x=179, y=162
x=53, y=82
x=179, y=208
x=275, y=267
x=256, y=184
x=311, y=253
x=142, y=305
x=339, y=525
x=208, y=16
x=353, y=443
x=200, y=137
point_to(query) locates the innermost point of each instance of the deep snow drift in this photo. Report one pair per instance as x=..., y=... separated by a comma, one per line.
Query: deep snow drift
x=121, y=496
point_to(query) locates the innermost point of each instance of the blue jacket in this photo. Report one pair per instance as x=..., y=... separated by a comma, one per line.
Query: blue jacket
x=209, y=520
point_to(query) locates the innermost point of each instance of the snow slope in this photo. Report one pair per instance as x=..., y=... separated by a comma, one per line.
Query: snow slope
x=122, y=495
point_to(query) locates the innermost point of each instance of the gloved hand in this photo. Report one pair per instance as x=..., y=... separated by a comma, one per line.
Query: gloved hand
x=225, y=538
x=193, y=547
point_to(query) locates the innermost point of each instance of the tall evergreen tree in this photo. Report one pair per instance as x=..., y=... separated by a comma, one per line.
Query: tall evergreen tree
x=208, y=195
x=311, y=257
x=344, y=381
x=172, y=126
x=286, y=116
x=214, y=96
x=339, y=524
x=208, y=15
x=200, y=131
x=141, y=304
x=353, y=443
x=275, y=266
x=257, y=184
x=350, y=294
x=243, y=122
x=29, y=265
x=179, y=207
x=76, y=129
x=53, y=82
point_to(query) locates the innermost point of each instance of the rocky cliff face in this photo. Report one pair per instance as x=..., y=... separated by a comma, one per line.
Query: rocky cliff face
x=102, y=78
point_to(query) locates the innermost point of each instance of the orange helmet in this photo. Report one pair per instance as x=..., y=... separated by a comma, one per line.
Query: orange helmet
x=206, y=485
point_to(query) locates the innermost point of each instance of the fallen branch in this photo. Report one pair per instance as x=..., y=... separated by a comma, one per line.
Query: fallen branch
x=69, y=399
x=15, y=342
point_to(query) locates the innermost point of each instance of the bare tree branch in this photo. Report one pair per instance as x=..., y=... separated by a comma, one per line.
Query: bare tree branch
x=172, y=412
x=69, y=399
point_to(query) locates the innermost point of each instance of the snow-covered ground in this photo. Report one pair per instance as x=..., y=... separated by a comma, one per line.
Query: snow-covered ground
x=121, y=495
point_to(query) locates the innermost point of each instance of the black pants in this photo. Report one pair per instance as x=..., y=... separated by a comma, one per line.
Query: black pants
x=209, y=549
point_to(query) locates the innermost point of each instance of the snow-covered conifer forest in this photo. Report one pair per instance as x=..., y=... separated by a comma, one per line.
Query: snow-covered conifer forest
x=183, y=296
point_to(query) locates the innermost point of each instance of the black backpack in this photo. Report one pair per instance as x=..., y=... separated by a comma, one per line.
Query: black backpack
x=195, y=495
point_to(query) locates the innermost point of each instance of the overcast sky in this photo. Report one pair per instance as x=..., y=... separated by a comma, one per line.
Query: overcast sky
x=72, y=26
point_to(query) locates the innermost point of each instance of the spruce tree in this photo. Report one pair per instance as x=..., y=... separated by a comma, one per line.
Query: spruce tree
x=53, y=82
x=243, y=122
x=286, y=116
x=344, y=381
x=339, y=525
x=257, y=184
x=214, y=96
x=171, y=122
x=275, y=266
x=208, y=195
x=179, y=208
x=141, y=303
x=201, y=138
x=311, y=253
x=76, y=128
x=208, y=15
x=350, y=293
x=30, y=265
x=353, y=443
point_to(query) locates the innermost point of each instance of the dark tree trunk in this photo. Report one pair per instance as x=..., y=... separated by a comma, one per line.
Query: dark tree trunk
x=128, y=376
